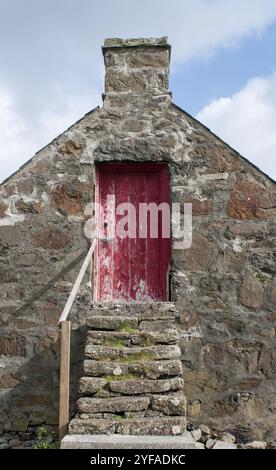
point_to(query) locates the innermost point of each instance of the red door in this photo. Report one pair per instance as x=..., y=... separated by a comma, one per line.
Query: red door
x=132, y=265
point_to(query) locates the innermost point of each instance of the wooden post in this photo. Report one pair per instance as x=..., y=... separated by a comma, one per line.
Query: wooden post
x=64, y=378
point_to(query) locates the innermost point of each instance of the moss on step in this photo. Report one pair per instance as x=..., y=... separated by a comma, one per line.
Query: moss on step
x=118, y=417
x=148, y=341
x=137, y=357
x=117, y=343
x=125, y=327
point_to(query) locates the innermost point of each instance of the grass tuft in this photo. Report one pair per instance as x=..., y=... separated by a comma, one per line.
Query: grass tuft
x=117, y=343
x=125, y=327
x=137, y=357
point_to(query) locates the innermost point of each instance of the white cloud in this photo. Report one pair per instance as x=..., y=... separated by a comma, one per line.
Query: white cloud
x=17, y=141
x=64, y=111
x=247, y=121
x=194, y=27
x=200, y=27
x=20, y=139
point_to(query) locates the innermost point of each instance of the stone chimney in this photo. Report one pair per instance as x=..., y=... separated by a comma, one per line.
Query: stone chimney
x=136, y=66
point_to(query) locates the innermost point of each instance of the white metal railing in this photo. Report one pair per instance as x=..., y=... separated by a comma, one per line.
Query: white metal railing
x=64, y=387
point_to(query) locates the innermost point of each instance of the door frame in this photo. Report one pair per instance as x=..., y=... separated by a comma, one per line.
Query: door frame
x=165, y=244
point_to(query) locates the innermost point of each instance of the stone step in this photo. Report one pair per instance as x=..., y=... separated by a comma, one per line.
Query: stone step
x=146, y=426
x=145, y=311
x=136, y=308
x=91, y=385
x=114, y=338
x=118, y=323
x=143, y=316
x=102, y=368
x=127, y=385
x=157, y=369
x=139, y=387
x=92, y=426
x=170, y=426
x=158, y=326
x=118, y=441
x=148, y=369
x=141, y=338
x=173, y=404
x=134, y=354
x=112, y=404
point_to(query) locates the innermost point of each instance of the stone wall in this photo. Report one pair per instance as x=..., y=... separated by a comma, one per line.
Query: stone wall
x=224, y=285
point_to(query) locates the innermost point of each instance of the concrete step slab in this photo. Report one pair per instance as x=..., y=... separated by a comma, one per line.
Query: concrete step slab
x=117, y=441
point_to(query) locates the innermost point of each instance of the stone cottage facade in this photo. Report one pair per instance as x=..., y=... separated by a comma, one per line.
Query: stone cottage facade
x=223, y=286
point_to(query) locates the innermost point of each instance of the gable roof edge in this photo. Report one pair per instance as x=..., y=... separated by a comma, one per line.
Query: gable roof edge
x=49, y=143
x=223, y=142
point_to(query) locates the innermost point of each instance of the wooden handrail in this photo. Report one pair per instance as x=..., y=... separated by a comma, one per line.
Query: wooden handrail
x=78, y=282
x=64, y=387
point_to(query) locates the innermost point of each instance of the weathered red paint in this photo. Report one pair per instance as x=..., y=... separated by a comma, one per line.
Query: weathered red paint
x=132, y=269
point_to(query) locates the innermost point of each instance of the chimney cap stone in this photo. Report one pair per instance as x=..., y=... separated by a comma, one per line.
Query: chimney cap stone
x=140, y=42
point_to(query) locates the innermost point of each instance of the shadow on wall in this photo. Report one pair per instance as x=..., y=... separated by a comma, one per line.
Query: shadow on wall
x=34, y=399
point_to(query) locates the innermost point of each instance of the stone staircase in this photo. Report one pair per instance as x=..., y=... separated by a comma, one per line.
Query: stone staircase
x=132, y=386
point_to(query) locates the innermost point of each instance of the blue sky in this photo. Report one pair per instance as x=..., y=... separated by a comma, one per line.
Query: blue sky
x=223, y=68
x=202, y=80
